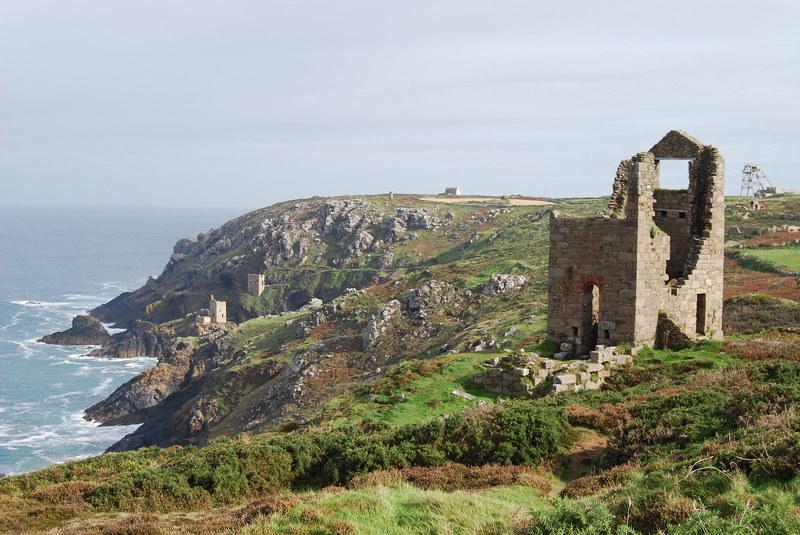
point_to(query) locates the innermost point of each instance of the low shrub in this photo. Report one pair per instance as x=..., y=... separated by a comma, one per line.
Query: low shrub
x=590, y=517
x=603, y=418
x=62, y=493
x=279, y=504
x=592, y=484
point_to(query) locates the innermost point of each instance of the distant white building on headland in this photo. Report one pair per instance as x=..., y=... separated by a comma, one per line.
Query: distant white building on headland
x=452, y=191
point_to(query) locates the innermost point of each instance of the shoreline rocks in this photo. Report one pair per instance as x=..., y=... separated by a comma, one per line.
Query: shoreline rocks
x=85, y=330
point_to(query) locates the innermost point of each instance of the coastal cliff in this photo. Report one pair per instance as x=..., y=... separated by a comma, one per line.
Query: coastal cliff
x=399, y=277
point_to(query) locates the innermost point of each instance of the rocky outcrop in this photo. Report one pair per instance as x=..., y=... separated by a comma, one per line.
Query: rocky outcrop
x=502, y=283
x=85, y=330
x=433, y=297
x=141, y=339
x=181, y=364
x=377, y=325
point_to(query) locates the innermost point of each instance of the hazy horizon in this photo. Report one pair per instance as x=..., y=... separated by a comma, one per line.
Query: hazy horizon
x=250, y=103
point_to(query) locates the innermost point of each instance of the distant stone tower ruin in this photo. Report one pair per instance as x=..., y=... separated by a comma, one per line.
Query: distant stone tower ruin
x=255, y=284
x=218, y=310
x=648, y=272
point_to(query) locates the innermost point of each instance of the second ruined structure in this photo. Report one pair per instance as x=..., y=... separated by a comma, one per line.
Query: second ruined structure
x=648, y=272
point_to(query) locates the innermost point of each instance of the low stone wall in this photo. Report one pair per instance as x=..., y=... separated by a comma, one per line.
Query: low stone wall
x=522, y=374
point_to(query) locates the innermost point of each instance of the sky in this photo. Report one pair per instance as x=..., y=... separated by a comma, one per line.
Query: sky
x=244, y=103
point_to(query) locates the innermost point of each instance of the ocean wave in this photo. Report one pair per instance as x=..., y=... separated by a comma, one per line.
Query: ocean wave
x=29, y=440
x=25, y=349
x=22, y=408
x=81, y=297
x=65, y=395
x=42, y=304
x=14, y=321
x=83, y=371
x=102, y=387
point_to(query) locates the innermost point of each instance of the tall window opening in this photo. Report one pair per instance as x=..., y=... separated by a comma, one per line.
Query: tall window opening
x=701, y=314
x=591, y=317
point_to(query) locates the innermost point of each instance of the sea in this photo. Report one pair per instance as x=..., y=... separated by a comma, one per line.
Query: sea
x=55, y=263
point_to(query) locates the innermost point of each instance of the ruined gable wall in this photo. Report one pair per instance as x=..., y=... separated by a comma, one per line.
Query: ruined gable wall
x=592, y=250
x=703, y=270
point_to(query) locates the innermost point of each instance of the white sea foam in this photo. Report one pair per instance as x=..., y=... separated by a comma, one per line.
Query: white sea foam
x=42, y=304
x=65, y=395
x=29, y=440
x=102, y=387
x=24, y=348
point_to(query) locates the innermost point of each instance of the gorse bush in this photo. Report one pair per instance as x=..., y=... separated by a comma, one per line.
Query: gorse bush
x=229, y=470
x=518, y=432
x=223, y=472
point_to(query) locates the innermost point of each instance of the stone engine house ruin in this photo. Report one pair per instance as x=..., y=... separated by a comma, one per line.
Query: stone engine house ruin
x=649, y=271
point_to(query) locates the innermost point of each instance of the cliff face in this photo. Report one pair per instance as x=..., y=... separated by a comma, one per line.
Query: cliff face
x=399, y=278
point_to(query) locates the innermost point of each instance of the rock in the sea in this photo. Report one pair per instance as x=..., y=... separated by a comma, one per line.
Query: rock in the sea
x=85, y=330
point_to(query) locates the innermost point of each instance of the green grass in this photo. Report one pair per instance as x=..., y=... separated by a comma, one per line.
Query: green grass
x=705, y=355
x=425, y=397
x=787, y=258
x=267, y=333
x=402, y=509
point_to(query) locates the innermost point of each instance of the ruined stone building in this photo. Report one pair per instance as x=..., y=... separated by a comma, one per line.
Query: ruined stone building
x=649, y=271
x=255, y=284
x=218, y=310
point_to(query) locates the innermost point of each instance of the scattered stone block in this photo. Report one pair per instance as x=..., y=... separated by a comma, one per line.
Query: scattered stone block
x=548, y=364
x=462, y=394
x=565, y=379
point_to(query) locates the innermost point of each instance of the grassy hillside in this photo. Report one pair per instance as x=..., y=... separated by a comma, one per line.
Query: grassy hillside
x=340, y=439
